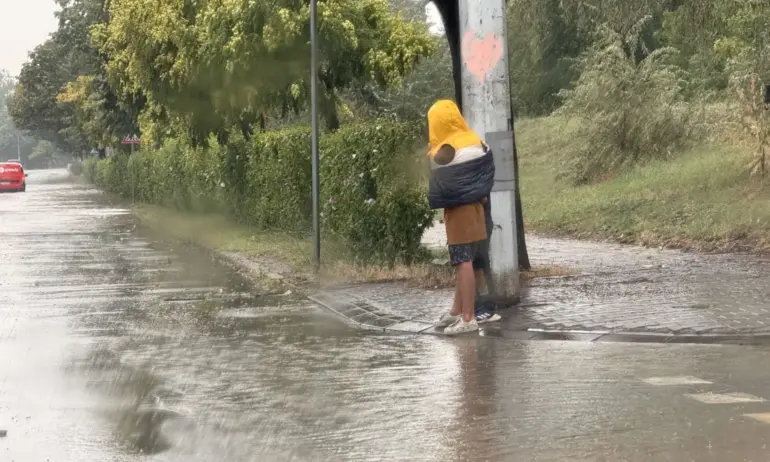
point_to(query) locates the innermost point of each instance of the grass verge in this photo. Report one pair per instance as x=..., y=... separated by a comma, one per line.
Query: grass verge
x=289, y=256
x=702, y=199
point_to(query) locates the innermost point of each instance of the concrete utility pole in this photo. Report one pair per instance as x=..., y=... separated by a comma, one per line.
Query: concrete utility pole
x=486, y=102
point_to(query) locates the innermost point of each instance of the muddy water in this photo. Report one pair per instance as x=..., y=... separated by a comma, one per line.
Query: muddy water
x=107, y=337
x=115, y=347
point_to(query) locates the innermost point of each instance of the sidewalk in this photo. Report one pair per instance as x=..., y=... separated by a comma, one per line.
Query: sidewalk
x=616, y=292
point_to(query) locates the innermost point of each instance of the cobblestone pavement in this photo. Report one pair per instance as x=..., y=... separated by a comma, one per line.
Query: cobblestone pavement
x=614, y=289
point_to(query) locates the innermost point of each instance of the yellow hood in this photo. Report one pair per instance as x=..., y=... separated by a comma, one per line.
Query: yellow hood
x=447, y=126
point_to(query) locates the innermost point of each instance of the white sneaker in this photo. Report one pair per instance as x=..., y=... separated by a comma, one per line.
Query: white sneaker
x=462, y=327
x=447, y=319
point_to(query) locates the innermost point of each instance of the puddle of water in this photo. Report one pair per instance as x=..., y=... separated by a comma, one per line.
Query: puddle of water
x=122, y=363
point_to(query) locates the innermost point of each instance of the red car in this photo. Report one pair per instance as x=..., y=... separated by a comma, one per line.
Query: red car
x=12, y=177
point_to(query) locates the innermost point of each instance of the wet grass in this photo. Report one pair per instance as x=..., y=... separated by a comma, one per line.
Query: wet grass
x=702, y=199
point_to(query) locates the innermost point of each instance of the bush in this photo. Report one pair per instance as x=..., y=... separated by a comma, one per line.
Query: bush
x=371, y=190
x=89, y=169
x=629, y=109
x=75, y=168
x=372, y=198
x=278, y=182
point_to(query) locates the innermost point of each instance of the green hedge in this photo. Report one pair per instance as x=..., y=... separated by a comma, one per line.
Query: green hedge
x=372, y=196
x=370, y=189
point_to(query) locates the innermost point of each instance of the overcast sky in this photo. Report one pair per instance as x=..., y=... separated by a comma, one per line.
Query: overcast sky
x=24, y=24
x=434, y=18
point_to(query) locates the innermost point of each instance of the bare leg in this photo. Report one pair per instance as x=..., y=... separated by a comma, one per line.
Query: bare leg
x=481, y=282
x=466, y=286
x=457, y=303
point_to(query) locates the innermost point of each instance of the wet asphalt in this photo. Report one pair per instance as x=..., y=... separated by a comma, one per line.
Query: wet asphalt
x=115, y=346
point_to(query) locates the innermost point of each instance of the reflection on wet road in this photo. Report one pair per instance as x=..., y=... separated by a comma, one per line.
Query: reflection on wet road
x=117, y=348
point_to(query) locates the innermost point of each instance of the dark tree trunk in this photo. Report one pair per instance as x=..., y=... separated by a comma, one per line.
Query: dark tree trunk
x=328, y=103
x=331, y=120
x=222, y=137
x=262, y=121
x=284, y=109
x=246, y=130
x=450, y=16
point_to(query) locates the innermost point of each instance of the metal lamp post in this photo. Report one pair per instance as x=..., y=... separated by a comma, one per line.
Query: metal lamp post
x=314, y=134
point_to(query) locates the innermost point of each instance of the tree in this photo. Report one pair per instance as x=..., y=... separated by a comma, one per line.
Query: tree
x=13, y=142
x=33, y=106
x=430, y=81
x=209, y=65
x=98, y=115
x=62, y=95
x=7, y=129
x=542, y=42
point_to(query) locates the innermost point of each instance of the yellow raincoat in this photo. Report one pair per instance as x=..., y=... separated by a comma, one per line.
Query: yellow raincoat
x=446, y=125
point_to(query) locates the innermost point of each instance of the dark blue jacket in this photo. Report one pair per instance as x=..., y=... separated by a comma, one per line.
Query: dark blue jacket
x=461, y=184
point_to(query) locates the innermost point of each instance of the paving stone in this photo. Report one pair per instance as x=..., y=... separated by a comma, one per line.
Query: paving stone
x=619, y=289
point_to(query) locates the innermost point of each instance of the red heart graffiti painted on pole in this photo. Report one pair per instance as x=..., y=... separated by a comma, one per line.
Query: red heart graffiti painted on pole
x=482, y=55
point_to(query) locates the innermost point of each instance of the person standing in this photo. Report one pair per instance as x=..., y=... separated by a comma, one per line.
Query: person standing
x=462, y=176
x=485, y=310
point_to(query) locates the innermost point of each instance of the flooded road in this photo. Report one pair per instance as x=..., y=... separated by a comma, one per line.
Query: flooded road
x=117, y=347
